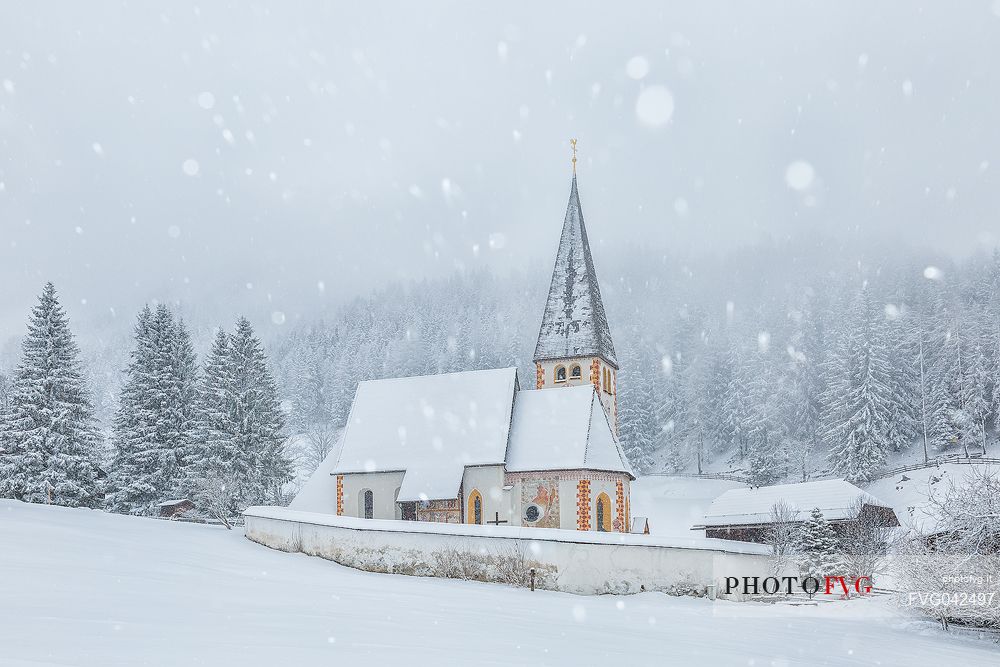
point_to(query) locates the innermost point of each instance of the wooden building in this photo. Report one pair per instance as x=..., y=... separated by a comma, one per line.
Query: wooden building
x=747, y=515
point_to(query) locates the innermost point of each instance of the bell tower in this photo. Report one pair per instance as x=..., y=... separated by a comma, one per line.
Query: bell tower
x=574, y=342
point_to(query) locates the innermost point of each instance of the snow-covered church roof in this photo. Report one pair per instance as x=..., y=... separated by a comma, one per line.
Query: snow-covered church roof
x=563, y=428
x=749, y=506
x=431, y=427
x=574, y=323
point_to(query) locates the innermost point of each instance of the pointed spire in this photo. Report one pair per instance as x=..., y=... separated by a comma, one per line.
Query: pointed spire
x=574, y=323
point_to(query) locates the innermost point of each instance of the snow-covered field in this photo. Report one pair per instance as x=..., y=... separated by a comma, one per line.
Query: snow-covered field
x=82, y=587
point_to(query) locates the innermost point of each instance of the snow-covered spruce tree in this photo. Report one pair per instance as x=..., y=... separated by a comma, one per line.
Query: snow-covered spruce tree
x=183, y=394
x=802, y=392
x=208, y=473
x=155, y=421
x=870, y=394
x=992, y=332
x=258, y=413
x=240, y=451
x=4, y=395
x=50, y=439
x=637, y=429
x=766, y=453
x=737, y=404
x=995, y=378
x=817, y=546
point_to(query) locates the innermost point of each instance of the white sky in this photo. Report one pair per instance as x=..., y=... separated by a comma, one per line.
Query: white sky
x=183, y=152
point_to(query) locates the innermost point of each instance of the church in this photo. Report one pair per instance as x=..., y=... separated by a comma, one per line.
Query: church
x=475, y=447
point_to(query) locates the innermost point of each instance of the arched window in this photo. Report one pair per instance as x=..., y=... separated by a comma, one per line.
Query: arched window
x=475, y=512
x=603, y=513
x=367, y=504
x=560, y=373
x=607, y=380
x=575, y=373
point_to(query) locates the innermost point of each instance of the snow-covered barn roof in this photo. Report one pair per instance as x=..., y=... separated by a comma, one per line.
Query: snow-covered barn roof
x=574, y=323
x=563, y=428
x=749, y=506
x=431, y=427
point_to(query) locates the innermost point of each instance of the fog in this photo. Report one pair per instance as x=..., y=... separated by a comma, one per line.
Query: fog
x=276, y=159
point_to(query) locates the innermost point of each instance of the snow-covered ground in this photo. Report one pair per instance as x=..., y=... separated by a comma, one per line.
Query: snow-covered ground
x=908, y=493
x=86, y=588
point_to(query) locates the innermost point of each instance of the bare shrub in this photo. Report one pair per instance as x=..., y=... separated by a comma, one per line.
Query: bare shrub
x=781, y=535
x=507, y=564
x=510, y=565
x=967, y=515
x=951, y=588
x=865, y=542
x=311, y=450
x=951, y=572
x=214, y=496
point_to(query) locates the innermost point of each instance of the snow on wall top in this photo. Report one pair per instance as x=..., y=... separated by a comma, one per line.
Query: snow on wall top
x=472, y=530
x=753, y=505
x=431, y=427
x=574, y=323
x=563, y=428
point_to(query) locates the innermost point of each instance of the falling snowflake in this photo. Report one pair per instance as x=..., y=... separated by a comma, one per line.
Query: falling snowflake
x=799, y=175
x=681, y=207
x=763, y=341
x=654, y=106
x=190, y=167
x=637, y=68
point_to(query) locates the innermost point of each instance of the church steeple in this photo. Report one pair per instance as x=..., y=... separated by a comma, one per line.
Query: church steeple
x=574, y=323
x=574, y=342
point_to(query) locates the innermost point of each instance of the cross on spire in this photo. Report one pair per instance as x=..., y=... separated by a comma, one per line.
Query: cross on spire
x=572, y=142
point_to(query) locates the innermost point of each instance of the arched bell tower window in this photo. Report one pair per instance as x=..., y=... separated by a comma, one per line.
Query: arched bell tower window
x=607, y=380
x=575, y=373
x=560, y=373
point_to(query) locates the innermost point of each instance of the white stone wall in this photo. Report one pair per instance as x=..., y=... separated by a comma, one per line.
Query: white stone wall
x=383, y=485
x=571, y=561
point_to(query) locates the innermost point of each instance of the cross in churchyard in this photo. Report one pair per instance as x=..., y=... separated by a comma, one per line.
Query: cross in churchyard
x=496, y=521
